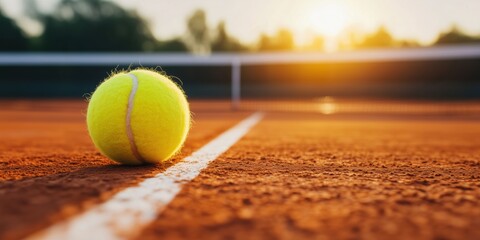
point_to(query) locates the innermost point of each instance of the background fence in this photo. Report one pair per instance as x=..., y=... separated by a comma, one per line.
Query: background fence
x=435, y=72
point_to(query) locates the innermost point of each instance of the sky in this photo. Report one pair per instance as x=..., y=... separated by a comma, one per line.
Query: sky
x=420, y=20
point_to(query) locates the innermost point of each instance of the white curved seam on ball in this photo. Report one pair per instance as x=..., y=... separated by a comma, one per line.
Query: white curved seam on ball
x=130, y=135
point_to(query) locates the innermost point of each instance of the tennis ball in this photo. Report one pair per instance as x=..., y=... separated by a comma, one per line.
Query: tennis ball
x=138, y=117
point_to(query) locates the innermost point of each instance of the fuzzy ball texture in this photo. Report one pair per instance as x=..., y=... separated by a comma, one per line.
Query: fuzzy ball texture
x=138, y=117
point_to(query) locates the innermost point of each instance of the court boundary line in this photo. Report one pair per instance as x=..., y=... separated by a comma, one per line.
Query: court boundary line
x=130, y=210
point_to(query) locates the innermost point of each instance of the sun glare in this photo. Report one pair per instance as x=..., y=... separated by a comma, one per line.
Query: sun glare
x=329, y=19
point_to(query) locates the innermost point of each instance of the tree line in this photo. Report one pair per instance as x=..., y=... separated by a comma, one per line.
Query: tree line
x=96, y=26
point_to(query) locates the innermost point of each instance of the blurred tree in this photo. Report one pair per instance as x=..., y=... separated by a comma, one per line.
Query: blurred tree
x=381, y=38
x=31, y=9
x=455, y=35
x=408, y=43
x=354, y=38
x=12, y=37
x=317, y=44
x=94, y=25
x=350, y=37
x=224, y=42
x=282, y=41
x=198, y=37
x=173, y=45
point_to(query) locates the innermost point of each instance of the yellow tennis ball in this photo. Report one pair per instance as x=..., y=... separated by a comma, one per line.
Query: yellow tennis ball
x=138, y=117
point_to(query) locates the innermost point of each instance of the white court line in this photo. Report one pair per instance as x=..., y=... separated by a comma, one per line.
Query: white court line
x=127, y=212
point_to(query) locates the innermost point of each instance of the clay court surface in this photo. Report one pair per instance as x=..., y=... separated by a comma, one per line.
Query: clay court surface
x=312, y=170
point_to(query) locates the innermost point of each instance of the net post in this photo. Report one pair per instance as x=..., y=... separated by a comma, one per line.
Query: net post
x=236, y=78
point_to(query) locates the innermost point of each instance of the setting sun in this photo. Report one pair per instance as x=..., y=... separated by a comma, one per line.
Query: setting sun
x=329, y=19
